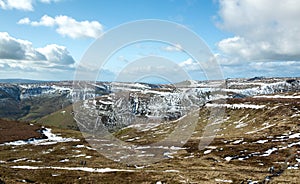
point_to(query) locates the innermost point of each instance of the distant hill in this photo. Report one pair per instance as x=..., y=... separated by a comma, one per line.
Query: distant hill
x=20, y=81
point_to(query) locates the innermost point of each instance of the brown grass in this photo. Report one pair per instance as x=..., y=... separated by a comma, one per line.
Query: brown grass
x=14, y=130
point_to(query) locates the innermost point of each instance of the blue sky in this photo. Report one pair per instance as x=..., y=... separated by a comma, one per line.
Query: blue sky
x=46, y=39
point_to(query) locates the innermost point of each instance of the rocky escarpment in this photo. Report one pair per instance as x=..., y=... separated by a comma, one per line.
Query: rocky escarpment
x=29, y=102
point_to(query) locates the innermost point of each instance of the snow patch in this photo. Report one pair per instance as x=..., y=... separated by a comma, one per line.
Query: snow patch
x=64, y=160
x=79, y=146
x=81, y=155
x=296, y=166
x=297, y=135
x=171, y=170
x=268, y=126
x=51, y=139
x=277, y=96
x=261, y=141
x=269, y=152
x=228, y=158
x=236, y=106
x=207, y=152
x=241, y=125
x=224, y=181
x=19, y=160
x=86, y=169
x=237, y=141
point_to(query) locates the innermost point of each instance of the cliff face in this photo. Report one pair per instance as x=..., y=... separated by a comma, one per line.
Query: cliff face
x=18, y=92
x=131, y=102
x=29, y=102
x=10, y=91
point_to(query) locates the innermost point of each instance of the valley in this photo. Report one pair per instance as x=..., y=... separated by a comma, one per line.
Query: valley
x=234, y=131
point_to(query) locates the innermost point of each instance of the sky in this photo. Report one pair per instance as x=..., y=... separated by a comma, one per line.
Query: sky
x=47, y=39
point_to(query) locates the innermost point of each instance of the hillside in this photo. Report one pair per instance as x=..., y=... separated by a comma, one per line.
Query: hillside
x=248, y=132
x=257, y=133
x=13, y=130
x=62, y=118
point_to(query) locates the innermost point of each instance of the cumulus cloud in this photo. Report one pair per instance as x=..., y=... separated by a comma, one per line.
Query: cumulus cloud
x=20, y=54
x=190, y=65
x=12, y=48
x=24, y=21
x=176, y=47
x=67, y=26
x=57, y=54
x=264, y=29
x=25, y=5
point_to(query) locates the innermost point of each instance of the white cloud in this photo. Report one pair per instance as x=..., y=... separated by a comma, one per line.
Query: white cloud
x=49, y=1
x=67, y=26
x=239, y=46
x=264, y=29
x=24, y=21
x=265, y=68
x=25, y=5
x=45, y=21
x=57, y=54
x=20, y=54
x=12, y=48
x=176, y=47
x=190, y=65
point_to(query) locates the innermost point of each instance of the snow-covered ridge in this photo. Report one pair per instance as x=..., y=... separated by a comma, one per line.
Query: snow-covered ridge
x=36, y=90
x=24, y=91
x=168, y=102
x=117, y=86
x=88, y=89
x=265, y=88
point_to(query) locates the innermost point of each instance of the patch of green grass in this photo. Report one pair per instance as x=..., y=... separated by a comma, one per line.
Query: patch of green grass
x=125, y=132
x=62, y=118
